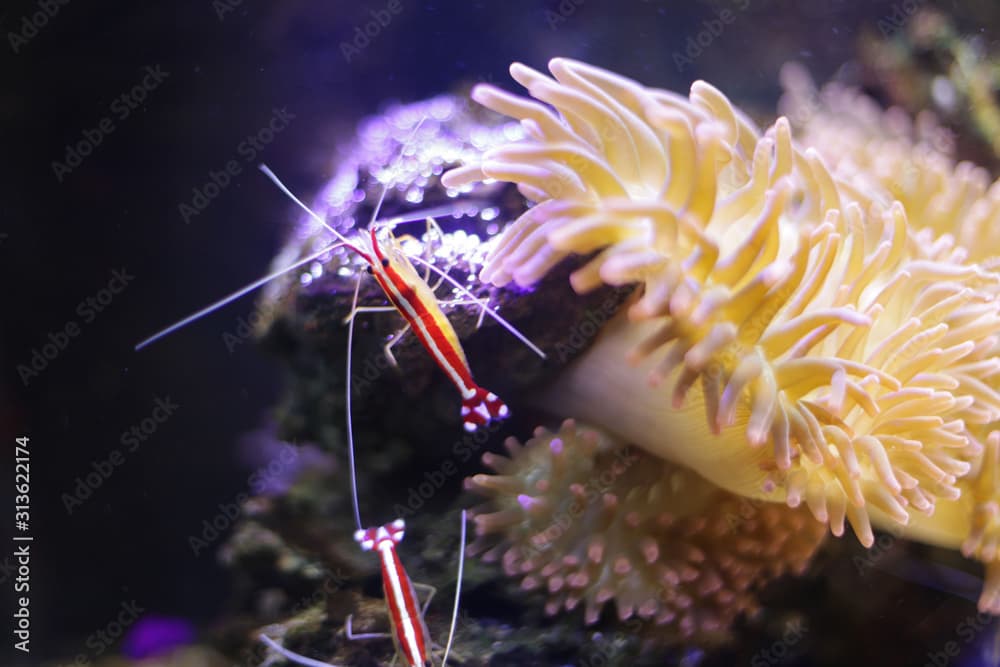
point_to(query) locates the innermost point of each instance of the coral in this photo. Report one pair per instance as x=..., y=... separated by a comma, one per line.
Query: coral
x=589, y=521
x=781, y=303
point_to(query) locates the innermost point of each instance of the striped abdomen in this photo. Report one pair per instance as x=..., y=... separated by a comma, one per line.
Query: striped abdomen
x=415, y=302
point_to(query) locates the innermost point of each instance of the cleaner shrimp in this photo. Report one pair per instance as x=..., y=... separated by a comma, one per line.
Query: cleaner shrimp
x=406, y=615
x=409, y=294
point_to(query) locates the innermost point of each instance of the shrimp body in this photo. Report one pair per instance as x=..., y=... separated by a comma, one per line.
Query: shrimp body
x=411, y=296
x=415, y=301
x=409, y=631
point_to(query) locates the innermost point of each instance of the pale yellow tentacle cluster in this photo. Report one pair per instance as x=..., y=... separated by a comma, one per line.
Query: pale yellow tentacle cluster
x=860, y=351
x=886, y=154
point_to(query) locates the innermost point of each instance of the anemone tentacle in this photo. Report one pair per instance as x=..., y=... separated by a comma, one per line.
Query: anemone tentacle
x=798, y=303
x=886, y=155
x=589, y=521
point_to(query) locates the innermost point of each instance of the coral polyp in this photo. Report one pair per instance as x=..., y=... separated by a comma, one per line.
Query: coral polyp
x=589, y=521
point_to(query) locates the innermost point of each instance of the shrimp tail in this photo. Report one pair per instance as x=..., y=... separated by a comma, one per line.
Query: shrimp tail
x=481, y=408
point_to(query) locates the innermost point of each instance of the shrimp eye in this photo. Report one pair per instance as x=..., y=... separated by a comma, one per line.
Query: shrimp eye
x=385, y=262
x=369, y=270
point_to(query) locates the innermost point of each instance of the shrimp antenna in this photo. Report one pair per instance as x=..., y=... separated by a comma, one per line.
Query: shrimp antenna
x=291, y=655
x=341, y=241
x=385, y=187
x=235, y=295
x=350, y=327
x=458, y=593
x=461, y=288
x=420, y=215
x=315, y=216
x=350, y=422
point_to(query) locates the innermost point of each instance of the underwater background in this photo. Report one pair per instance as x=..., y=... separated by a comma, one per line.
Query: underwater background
x=170, y=521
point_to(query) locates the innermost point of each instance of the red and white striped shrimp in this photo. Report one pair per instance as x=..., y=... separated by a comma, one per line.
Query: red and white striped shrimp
x=413, y=298
x=406, y=614
x=415, y=301
x=409, y=631
x=410, y=295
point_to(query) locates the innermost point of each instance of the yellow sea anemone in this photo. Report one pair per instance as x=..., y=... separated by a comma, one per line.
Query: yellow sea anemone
x=913, y=162
x=590, y=521
x=780, y=304
x=887, y=155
